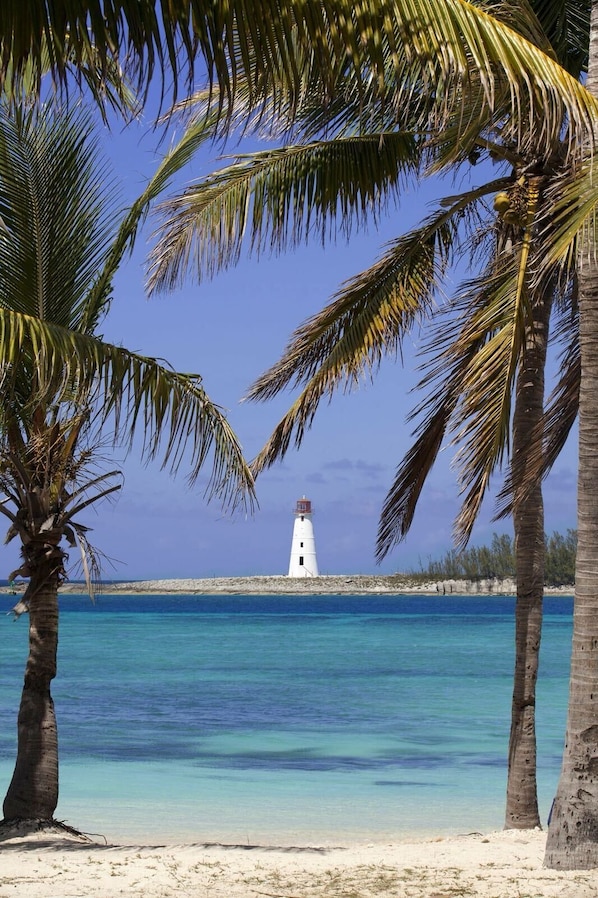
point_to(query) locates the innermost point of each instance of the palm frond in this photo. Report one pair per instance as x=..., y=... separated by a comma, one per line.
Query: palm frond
x=567, y=27
x=474, y=356
x=436, y=46
x=401, y=500
x=278, y=198
x=563, y=404
x=569, y=232
x=467, y=336
x=95, y=497
x=366, y=321
x=106, y=83
x=135, y=393
x=483, y=421
x=52, y=241
x=371, y=312
x=428, y=42
x=357, y=107
x=88, y=559
x=501, y=47
x=100, y=294
x=149, y=36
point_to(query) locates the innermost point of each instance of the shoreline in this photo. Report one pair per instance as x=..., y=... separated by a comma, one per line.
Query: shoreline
x=497, y=865
x=359, y=584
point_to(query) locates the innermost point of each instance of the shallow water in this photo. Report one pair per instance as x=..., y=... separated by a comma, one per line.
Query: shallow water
x=308, y=719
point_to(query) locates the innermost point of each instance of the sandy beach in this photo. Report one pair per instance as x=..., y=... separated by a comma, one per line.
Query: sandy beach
x=498, y=865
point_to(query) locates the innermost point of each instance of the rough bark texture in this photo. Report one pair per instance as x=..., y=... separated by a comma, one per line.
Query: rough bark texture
x=33, y=791
x=572, y=842
x=528, y=519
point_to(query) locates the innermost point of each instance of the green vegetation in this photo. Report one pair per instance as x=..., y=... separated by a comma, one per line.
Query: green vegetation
x=498, y=560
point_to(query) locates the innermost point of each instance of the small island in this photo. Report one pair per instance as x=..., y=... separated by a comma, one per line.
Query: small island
x=349, y=584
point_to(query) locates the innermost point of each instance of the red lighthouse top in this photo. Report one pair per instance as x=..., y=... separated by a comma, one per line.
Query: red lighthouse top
x=303, y=506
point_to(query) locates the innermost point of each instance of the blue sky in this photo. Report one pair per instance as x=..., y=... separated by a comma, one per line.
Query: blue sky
x=230, y=330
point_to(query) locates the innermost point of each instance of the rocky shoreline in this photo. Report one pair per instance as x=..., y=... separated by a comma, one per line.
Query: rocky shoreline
x=396, y=584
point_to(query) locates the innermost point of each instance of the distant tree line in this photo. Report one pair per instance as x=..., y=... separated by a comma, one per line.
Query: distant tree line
x=498, y=561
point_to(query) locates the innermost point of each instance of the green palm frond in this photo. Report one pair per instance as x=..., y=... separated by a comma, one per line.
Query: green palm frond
x=567, y=27
x=59, y=251
x=474, y=360
x=354, y=110
x=174, y=160
x=347, y=340
x=435, y=46
x=109, y=86
x=425, y=41
x=150, y=33
x=81, y=494
x=138, y=396
x=563, y=403
x=482, y=423
x=376, y=307
x=272, y=200
x=52, y=241
x=38, y=156
x=96, y=496
x=401, y=500
x=474, y=355
x=279, y=198
x=459, y=347
x=104, y=79
x=570, y=229
x=366, y=321
x=407, y=102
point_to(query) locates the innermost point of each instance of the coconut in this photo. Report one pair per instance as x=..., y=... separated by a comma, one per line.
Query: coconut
x=502, y=201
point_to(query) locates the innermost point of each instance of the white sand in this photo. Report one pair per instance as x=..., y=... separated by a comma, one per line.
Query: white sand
x=499, y=865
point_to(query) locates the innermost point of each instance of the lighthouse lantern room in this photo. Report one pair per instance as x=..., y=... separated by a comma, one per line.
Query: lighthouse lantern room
x=303, y=561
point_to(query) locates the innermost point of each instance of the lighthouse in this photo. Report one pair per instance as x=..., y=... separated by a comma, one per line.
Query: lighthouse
x=303, y=562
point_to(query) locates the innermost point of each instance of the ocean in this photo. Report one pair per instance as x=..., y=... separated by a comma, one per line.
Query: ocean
x=285, y=719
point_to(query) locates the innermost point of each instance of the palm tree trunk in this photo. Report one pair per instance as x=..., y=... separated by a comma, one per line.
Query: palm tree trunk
x=528, y=520
x=572, y=842
x=33, y=791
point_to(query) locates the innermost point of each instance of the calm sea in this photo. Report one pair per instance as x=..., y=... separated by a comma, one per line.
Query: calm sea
x=294, y=720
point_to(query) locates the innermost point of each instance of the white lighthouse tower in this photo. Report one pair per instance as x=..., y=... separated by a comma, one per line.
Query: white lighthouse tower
x=303, y=561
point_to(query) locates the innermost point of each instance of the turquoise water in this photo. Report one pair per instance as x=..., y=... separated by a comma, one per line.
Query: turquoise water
x=311, y=719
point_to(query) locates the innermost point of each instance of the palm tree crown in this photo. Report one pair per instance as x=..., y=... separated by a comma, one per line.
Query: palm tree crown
x=59, y=251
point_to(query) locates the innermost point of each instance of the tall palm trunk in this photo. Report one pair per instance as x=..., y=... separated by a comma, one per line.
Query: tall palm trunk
x=573, y=831
x=33, y=791
x=528, y=520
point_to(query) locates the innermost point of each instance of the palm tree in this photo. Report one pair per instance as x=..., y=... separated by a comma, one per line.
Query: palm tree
x=297, y=188
x=65, y=391
x=572, y=839
x=489, y=390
